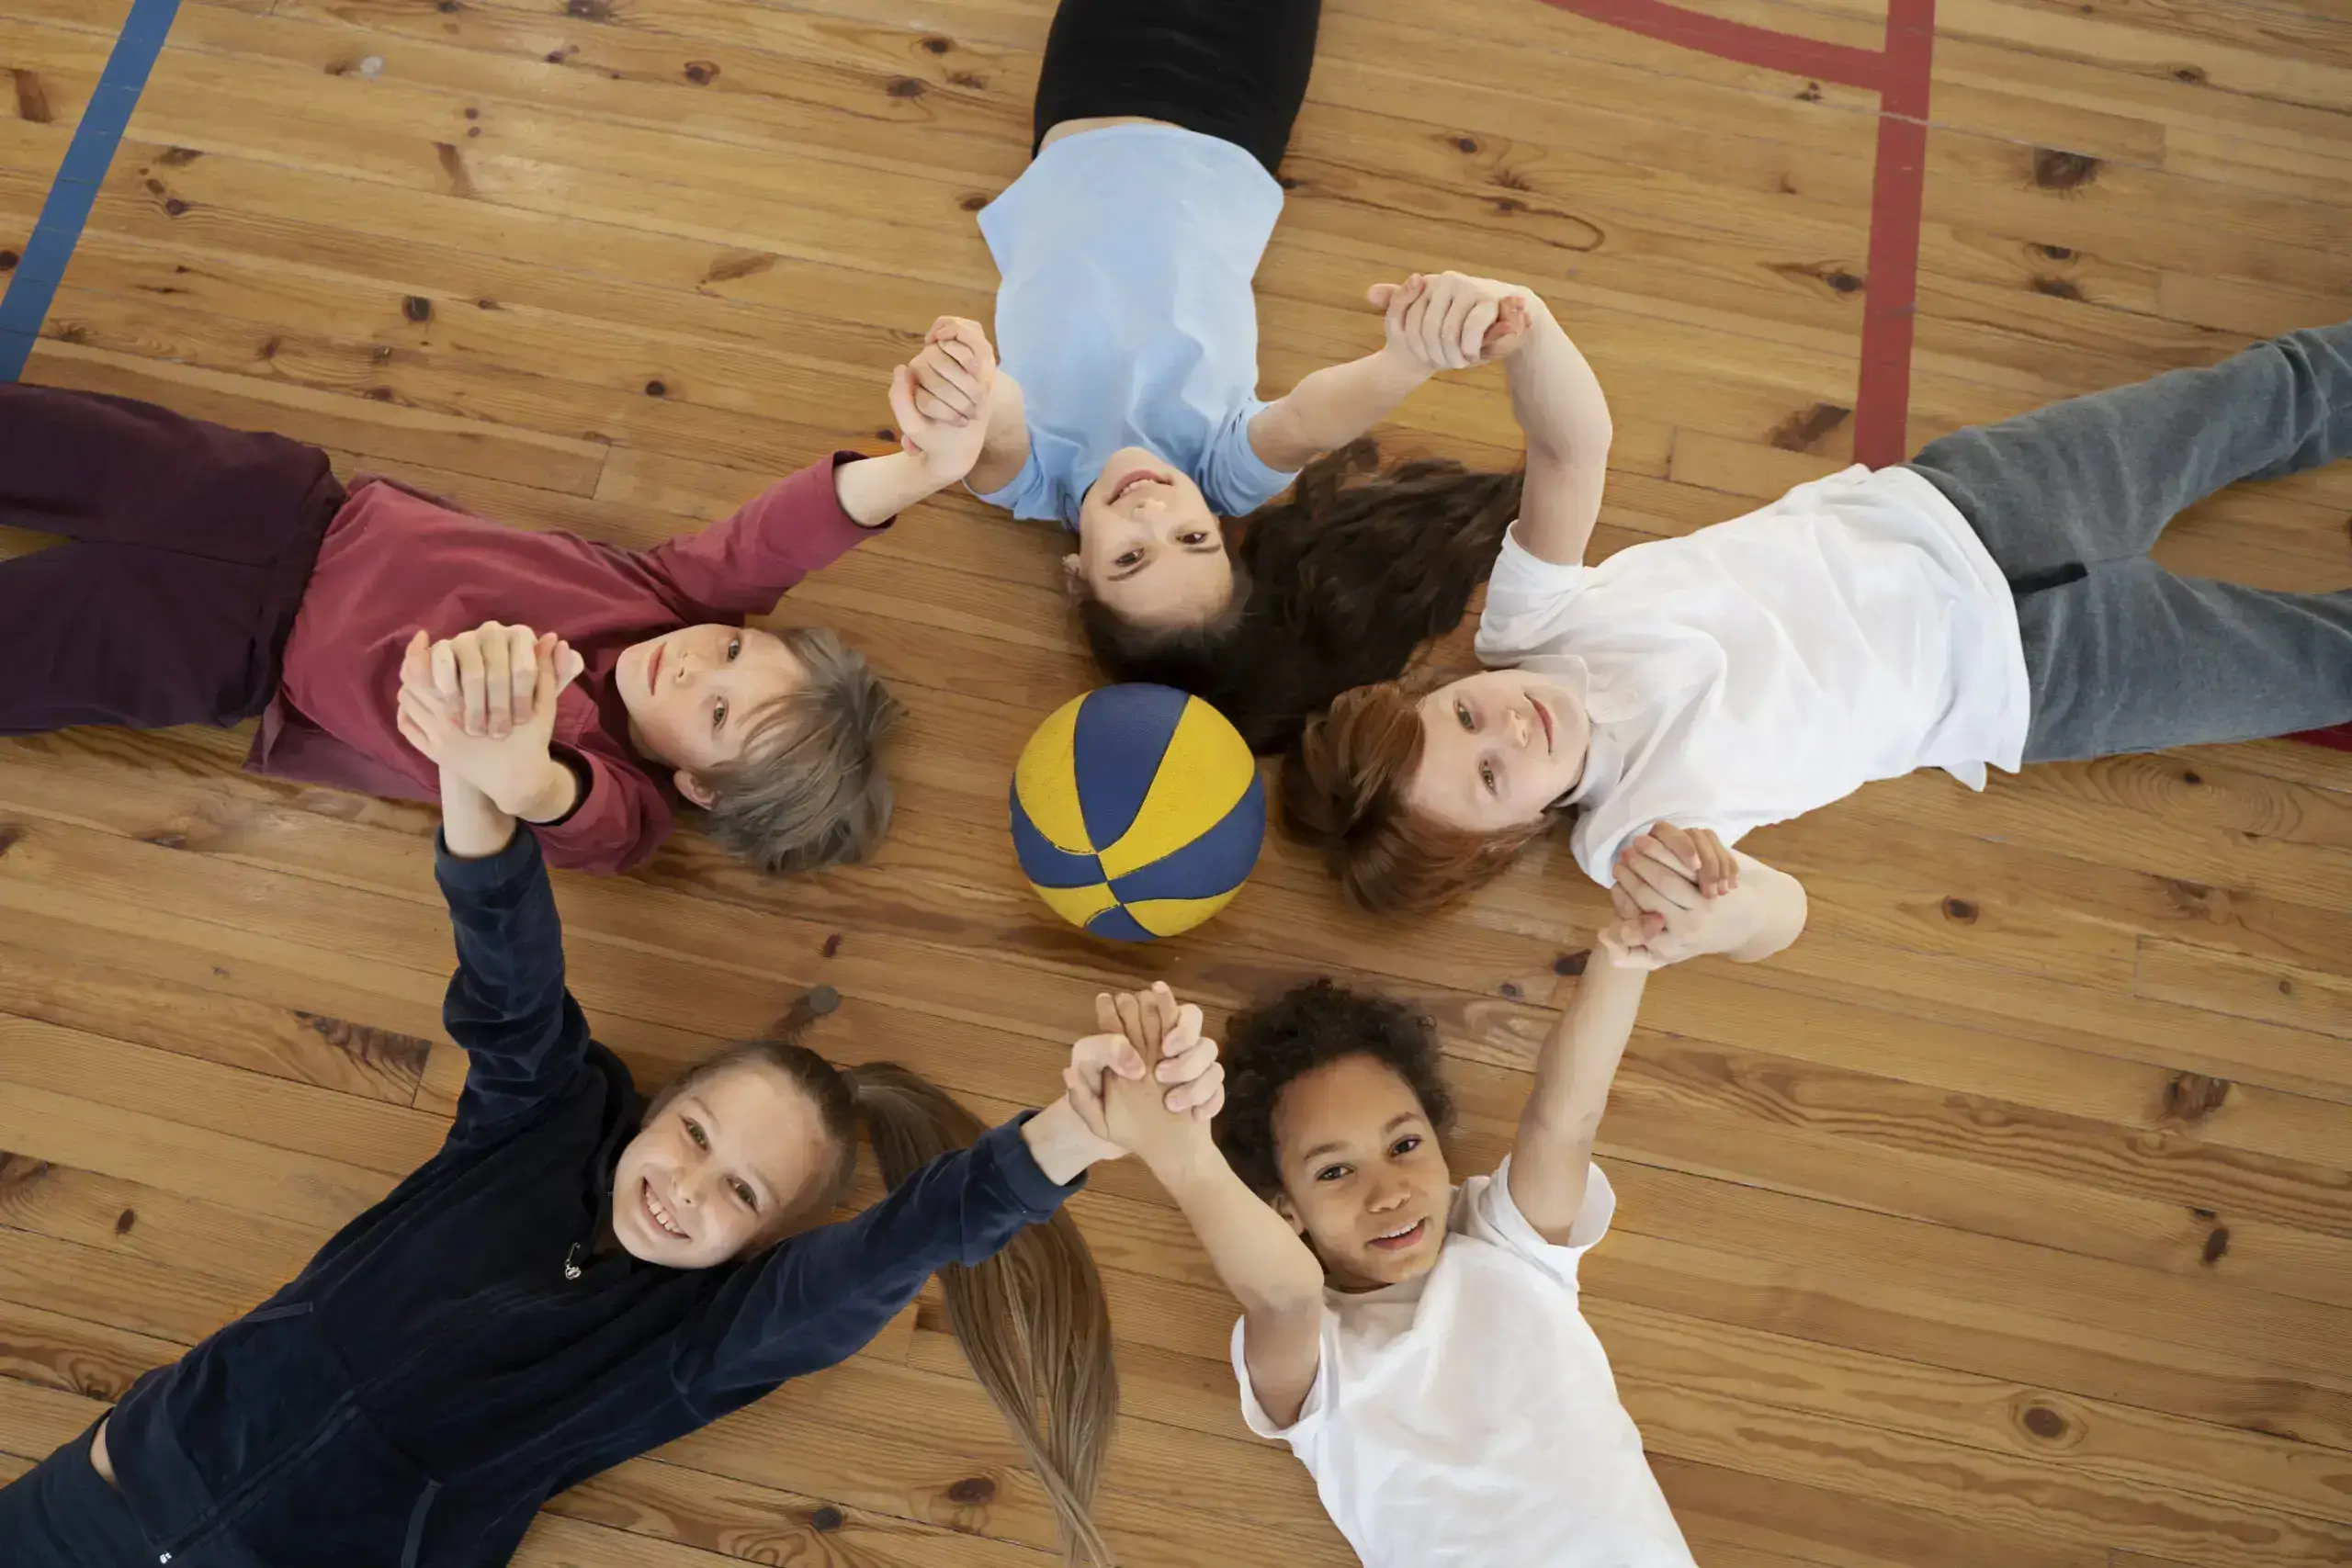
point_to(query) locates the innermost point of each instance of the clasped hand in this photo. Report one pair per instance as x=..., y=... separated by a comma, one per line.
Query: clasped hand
x=942, y=397
x=1142, y=1035
x=1677, y=897
x=482, y=704
x=1450, y=321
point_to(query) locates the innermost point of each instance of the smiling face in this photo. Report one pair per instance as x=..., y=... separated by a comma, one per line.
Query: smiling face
x=719, y=1168
x=1497, y=748
x=690, y=694
x=1150, y=547
x=1363, y=1179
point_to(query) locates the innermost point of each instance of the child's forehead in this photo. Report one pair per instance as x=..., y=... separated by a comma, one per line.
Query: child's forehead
x=1357, y=1097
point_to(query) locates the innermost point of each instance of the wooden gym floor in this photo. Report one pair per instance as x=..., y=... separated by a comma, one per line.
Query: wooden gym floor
x=2006, y=1221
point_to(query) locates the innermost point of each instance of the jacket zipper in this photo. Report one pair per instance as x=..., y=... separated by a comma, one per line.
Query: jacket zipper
x=232, y=1507
x=571, y=1269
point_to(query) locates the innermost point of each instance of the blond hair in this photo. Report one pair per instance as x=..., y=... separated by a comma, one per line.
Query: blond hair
x=809, y=790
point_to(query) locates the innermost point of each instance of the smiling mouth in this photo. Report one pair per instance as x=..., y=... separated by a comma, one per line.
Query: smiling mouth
x=1551, y=739
x=1129, y=482
x=653, y=669
x=1397, y=1241
x=655, y=1214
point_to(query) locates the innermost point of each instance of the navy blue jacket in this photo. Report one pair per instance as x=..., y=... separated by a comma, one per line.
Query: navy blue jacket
x=434, y=1375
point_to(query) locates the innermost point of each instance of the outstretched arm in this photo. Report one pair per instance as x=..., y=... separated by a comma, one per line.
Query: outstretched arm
x=1433, y=322
x=1552, y=1157
x=1561, y=410
x=1261, y=1260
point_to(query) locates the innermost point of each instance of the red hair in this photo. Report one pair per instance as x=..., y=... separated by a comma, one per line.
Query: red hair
x=1343, y=792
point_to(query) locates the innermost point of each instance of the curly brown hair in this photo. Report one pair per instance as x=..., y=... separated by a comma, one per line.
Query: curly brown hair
x=1268, y=1046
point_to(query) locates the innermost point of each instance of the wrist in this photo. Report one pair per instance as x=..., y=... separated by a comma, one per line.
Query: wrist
x=1061, y=1144
x=1395, y=369
x=546, y=792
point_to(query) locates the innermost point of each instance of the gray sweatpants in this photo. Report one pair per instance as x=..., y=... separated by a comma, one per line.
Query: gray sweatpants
x=2122, y=655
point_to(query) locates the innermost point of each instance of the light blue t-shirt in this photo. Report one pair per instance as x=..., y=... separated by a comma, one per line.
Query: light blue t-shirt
x=1127, y=313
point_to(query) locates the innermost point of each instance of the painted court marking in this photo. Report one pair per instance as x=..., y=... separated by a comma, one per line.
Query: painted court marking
x=32, y=287
x=1899, y=73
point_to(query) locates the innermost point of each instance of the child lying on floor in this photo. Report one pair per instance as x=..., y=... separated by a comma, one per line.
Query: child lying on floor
x=581, y=1274
x=1416, y=1343
x=217, y=575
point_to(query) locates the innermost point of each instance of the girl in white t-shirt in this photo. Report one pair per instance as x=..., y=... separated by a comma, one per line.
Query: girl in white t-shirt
x=1990, y=603
x=1419, y=1344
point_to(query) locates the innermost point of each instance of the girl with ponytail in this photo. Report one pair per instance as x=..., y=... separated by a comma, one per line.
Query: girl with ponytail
x=578, y=1276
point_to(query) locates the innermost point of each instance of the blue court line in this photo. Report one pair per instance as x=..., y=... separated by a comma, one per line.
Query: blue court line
x=33, y=286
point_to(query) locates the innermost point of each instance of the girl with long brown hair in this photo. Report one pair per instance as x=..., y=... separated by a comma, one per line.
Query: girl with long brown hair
x=1989, y=604
x=1126, y=409
x=579, y=1276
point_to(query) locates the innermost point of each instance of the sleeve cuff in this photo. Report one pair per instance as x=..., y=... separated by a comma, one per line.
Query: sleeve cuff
x=518, y=863
x=820, y=476
x=1036, y=1193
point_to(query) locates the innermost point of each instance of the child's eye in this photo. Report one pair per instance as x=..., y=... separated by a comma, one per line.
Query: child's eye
x=718, y=714
x=743, y=1195
x=1331, y=1173
x=1197, y=536
x=1407, y=1144
x=1462, y=714
x=1128, y=558
x=1487, y=776
x=693, y=1131
x=734, y=647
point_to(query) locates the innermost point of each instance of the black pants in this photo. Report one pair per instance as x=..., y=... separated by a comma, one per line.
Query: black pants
x=1232, y=69
x=191, y=546
x=62, y=1514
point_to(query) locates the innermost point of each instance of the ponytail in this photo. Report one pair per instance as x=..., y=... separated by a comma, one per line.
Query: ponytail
x=1032, y=1321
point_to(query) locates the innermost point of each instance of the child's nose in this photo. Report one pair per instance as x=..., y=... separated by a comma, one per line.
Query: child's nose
x=1523, y=726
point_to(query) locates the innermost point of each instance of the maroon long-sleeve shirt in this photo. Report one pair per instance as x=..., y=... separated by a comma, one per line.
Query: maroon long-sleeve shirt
x=393, y=563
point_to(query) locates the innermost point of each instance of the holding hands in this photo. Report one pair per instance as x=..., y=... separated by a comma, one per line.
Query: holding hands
x=1145, y=1083
x=1680, y=893
x=1450, y=321
x=481, y=706
x=943, y=397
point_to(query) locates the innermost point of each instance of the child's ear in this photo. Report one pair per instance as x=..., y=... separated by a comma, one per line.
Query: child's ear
x=1280, y=1203
x=694, y=788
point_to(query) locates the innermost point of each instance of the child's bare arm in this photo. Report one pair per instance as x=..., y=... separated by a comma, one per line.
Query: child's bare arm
x=1565, y=416
x=1261, y=1260
x=1552, y=1157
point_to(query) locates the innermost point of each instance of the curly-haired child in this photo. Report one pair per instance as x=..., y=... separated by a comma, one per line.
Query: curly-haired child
x=1377, y=1295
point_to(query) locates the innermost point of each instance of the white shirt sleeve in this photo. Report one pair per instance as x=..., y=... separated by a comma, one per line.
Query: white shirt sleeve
x=1310, y=1411
x=1527, y=603
x=1490, y=1213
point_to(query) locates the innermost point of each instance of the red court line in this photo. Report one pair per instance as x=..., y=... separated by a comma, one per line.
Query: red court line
x=1900, y=74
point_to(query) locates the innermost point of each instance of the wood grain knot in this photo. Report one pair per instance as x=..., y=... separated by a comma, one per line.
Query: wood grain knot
x=2190, y=74
x=2051, y=252
x=2192, y=1097
x=2191, y=776
x=833, y=945
x=702, y=72
x=124, y=1221
x=174, y=207
x=1810, y=93
x=166, y=840
x=1465, y=144
x=825, y=1520
x=1959, y=911
x=2054, y=169
x=971, y=79
x=20, y=1173
x=1802, y=430
x=1572, y=963
x=32, y=98
x=972, y=1489
x=905, y=87
x=178, y=157
x=2044, y=1422
x=657, y=389
x=417, y=308
x=11, y=835
x=973, y=202
x=936, y=45
x=405, y=1054
x=2057, y=288
x=2217, y=1244
x=589, y=10
x=449, y=7
x=1511, y=988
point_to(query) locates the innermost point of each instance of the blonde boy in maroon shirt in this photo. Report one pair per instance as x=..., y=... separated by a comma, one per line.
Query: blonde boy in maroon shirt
x=217, y=575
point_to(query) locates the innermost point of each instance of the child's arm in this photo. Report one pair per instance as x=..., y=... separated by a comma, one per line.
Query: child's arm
x=956, y=375
x=1565, y=416
x=853, y=1275
x=523, y=1035
x=1552, y=1156
x=742, y=565
x=1270, y=1272
x=1433, y=323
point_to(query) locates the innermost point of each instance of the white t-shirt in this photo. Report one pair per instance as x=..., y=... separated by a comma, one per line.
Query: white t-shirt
x=1469, y=1417
x=1855, y=629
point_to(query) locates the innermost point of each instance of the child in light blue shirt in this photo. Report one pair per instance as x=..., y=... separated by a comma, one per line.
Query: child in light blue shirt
x=1127, y=408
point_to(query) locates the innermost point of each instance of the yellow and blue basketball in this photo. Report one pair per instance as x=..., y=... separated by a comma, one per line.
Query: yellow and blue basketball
x=1137, y=812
